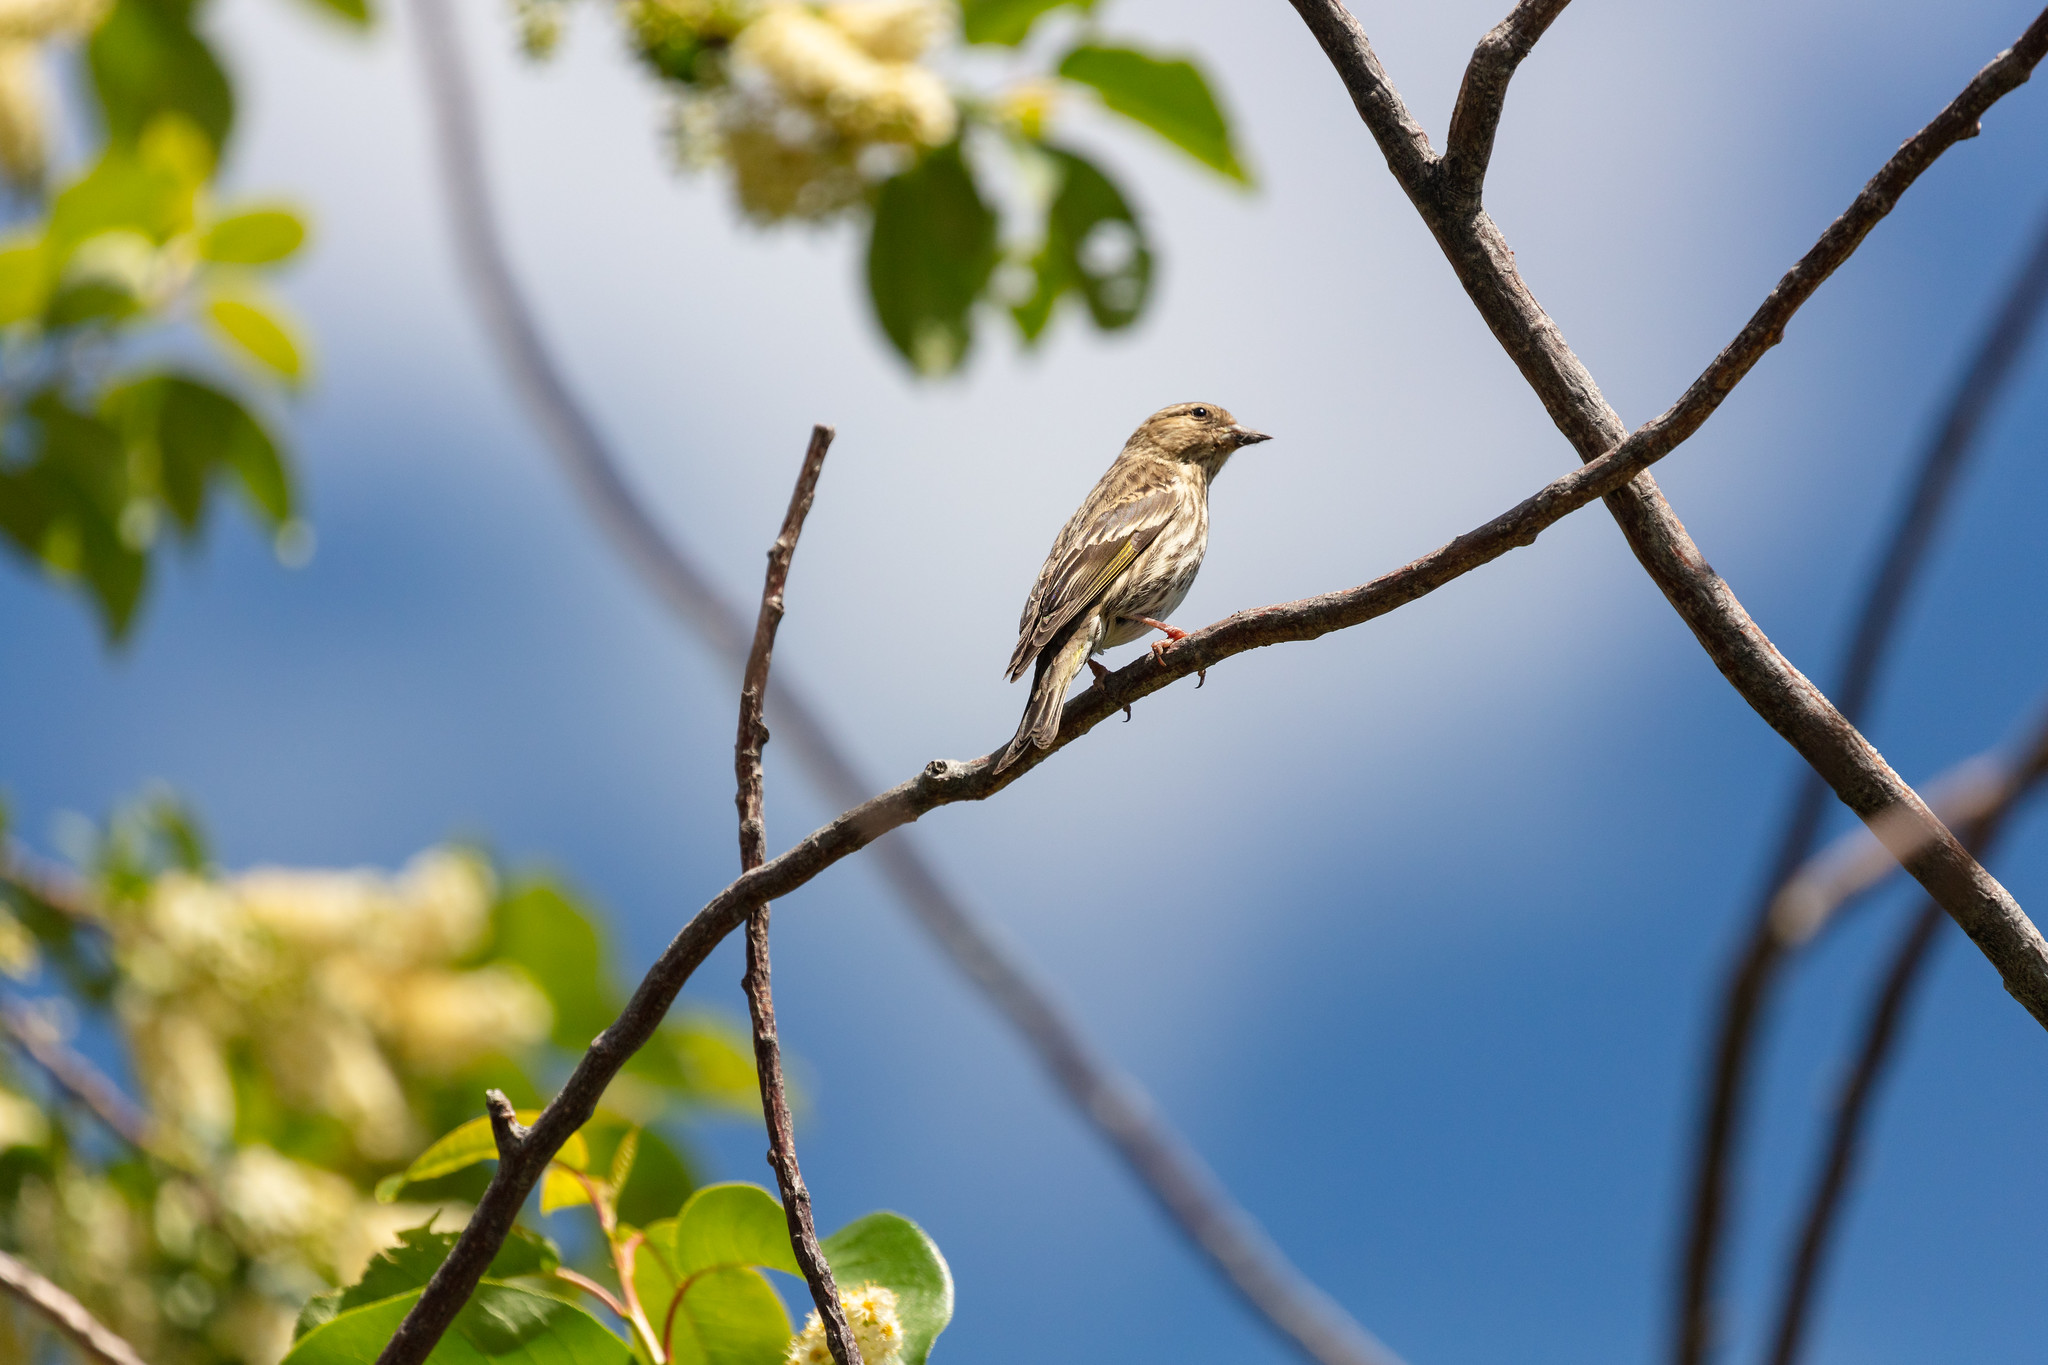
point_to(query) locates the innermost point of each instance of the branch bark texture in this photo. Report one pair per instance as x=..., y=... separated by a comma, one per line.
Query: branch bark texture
x=1112, y=1102
x=1791, y=704
x=753, y=734
x=1777, y=691
x=1797, y=897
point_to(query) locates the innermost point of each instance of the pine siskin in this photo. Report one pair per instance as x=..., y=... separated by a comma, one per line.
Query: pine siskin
x=1123, y=561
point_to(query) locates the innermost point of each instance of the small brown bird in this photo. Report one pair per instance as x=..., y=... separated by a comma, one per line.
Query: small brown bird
x=1125, y=560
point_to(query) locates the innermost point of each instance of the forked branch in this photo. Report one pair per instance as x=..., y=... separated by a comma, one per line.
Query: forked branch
x=1924, y=845
x=1777, y=691
x=1802, y=891
x=789, y=1177
x=1113, y=1103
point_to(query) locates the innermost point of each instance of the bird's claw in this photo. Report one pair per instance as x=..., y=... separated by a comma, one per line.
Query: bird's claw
x=1102, y=681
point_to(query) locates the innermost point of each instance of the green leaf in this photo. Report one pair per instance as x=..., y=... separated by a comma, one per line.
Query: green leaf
x=890, y=1250
x=1006, y=22
x=197, y=419
x=704, y=1058
x=465, y=1147
x=501, y=1323
x=1169, y=95
x=257, y=332
x=24, y=282
x=146, y=60
x=1093, y=245
x=732, y=1224
x=661, y=1180
x=191, y=430
x=125, y=190
x=70, y=506
x=730, y=1316
x=931, y=251
x=254, y=237
x=411, y=1263
x=355, y=13
x=543, y=931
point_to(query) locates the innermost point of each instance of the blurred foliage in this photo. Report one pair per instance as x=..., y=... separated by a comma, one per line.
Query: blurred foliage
x=296, y=1038
x=689, y=1283
x=110, y=443
x=819, y=111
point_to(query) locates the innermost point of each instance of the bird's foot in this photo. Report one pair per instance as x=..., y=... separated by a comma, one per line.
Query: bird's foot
x=1173, y=637
x=1102, y=681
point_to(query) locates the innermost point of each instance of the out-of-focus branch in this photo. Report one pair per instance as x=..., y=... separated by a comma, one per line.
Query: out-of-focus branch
x=789, y=1177
x=1112, y=1102
x=1923, y=845
x=66, y=1314
x=1996, y=787
x=76, y=1076
x=1829, y=742
x=1802, y=891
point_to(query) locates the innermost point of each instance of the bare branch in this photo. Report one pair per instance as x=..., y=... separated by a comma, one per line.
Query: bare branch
x=1774, y=689
x=1866, y=783
x=1801, y=891
x=1113, y=1103
x=66, y=1314
x=76, y=1076
x=943, y=783
x=796, y=1196
x=1998, y=790
x=506, y=1130
x=1476, y=117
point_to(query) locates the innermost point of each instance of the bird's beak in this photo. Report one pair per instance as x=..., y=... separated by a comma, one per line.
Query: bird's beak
x=1247, y=437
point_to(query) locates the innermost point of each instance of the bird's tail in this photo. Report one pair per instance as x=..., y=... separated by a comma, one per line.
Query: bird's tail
x=1056, y=670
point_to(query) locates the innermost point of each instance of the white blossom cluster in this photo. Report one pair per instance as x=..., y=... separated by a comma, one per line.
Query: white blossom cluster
x=274, y=1002
x=26, y=26
x=877, y=1329
x=809, y=105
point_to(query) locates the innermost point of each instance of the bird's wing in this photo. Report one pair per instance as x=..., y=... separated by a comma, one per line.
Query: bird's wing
x=1092, y=552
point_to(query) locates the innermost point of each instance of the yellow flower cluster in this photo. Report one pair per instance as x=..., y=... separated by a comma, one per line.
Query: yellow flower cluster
x=25, y=25
x=334, y=984
x=822, y=102
x=877, y=1329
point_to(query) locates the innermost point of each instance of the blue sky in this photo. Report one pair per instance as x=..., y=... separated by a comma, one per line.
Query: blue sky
x=1413, y=930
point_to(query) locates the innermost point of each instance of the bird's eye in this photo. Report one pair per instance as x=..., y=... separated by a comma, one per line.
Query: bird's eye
x=1201, y=412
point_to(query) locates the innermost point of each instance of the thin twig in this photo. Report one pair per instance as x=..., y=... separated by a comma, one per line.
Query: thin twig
x=1481, y=95
x=1101, y=1095
x=1920, y=842
x=1765, y=679
x=2014, y=782
x=796, y=1195
x=76, y=1076
x=1784, y=916
x=66, y=1314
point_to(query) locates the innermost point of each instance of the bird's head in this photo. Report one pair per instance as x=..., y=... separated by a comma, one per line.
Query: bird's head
x=1196, y=433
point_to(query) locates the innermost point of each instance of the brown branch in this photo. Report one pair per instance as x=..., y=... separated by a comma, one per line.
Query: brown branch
x=1923, y=845
x=1764, y=678
x=66, y=1314
x=1997, y=793
x=1476, y=117
x=1113, y=1103
x=944, y=783
x=796, y=1195
x=1801, y=891
x=77, y=1077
